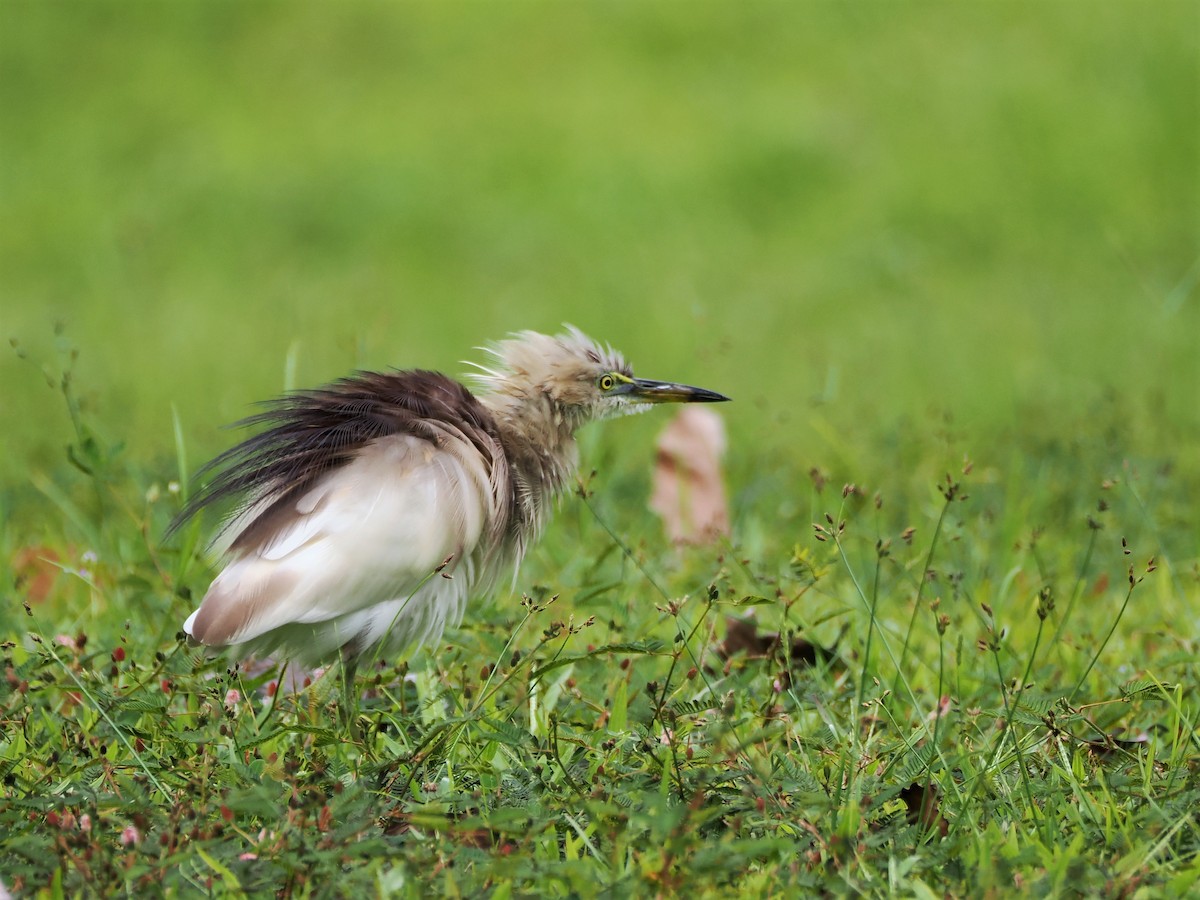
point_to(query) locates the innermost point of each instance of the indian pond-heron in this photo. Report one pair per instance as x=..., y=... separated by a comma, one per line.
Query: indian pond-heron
x=372, y=509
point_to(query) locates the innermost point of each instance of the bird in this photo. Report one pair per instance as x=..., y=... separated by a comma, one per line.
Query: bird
x=369, y=511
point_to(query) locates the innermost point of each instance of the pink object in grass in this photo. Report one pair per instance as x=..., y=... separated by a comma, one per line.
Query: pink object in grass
x=689, y=495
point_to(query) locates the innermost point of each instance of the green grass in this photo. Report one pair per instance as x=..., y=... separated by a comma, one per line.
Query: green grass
x=943, y=258
x=598, y=735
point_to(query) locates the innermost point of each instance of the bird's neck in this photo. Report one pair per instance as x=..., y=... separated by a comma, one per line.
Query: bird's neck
x=539, y=438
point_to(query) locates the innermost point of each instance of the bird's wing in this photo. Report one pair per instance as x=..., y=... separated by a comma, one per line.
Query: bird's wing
x=311, y=433
x=369, y=531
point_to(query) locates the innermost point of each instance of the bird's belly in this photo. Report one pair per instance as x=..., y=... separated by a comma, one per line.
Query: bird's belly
x=397, y=619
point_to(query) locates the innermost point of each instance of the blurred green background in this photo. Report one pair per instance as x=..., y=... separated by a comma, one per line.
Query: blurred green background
x=836, y=213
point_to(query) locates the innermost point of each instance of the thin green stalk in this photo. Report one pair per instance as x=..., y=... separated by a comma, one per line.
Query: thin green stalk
x=1077, y=590
x=1045, y=607
x=1010, y=727
x=620, y=543
x=504, y=651
x=937, y=716
x=1133, y=582
x=571, y=782
x=378, y=649
x=866, y=603
x=862, y=678
x=924, y=574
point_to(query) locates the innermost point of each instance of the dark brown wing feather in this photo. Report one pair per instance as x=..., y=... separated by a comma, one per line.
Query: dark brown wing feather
x=312, y=432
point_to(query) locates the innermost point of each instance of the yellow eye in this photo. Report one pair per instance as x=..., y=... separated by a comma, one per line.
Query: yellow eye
x=607, y=382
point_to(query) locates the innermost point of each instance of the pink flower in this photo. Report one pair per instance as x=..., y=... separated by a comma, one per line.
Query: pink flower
x=130, y=836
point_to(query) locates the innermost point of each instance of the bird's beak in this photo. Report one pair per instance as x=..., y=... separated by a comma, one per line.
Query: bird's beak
x=667, y=392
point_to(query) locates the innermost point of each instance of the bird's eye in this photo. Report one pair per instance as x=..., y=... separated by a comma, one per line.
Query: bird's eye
x=607, y=382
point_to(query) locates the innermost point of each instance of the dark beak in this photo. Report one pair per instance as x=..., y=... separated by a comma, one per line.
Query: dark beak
x=667, y=392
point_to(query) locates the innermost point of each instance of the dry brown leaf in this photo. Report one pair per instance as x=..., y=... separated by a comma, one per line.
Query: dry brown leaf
x=688, y=495
x=36, y=571
x=924, y=807
x=742, y=636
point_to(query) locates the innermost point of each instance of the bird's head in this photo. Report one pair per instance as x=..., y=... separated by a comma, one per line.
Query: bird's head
x=582, y=380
